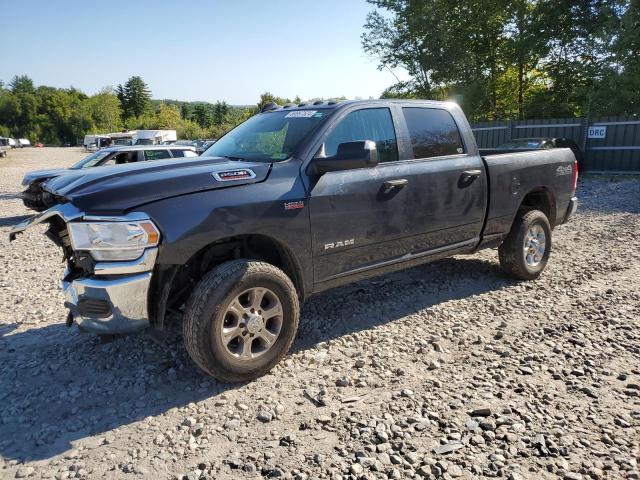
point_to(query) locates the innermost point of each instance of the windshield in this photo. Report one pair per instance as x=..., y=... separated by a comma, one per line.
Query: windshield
x=267, y=137
x=91, y=160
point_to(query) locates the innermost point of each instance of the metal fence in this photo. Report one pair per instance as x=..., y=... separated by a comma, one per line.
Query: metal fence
x=611, y=144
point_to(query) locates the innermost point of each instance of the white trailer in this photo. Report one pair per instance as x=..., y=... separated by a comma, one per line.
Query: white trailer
x=154, y=137
x=123, y=138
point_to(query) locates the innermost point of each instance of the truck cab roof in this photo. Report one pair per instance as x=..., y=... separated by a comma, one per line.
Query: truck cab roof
x=340, y=104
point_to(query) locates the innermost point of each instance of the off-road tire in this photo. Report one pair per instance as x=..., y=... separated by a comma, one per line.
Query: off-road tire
x=511, y=251
x=205, y=310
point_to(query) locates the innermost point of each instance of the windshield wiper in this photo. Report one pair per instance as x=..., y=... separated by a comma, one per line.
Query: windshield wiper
x=231, y=157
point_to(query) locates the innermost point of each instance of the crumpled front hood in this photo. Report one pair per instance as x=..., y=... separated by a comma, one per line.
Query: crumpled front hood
x=39, y=175
x=123, y=187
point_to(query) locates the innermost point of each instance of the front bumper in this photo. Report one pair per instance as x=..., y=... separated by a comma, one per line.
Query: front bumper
x=114, y=300
x=571, y=209
x=109, y=306
x=113, y=297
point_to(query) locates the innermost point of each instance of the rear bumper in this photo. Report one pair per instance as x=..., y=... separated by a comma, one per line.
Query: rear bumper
x=109, y=306
x=571, y=209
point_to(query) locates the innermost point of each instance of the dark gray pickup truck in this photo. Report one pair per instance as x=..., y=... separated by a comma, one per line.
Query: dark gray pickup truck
x=296, y=200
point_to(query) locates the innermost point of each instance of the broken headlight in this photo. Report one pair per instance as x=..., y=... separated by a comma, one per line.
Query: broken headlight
x=113, y=241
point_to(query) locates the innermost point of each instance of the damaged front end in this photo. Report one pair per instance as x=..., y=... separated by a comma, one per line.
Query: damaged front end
x=109, y=260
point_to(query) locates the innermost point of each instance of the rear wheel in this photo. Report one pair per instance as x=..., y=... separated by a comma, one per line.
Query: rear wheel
x=241, y=320
x=525, y=252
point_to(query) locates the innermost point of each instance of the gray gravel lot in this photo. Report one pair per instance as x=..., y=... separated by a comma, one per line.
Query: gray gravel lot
x=449, y=370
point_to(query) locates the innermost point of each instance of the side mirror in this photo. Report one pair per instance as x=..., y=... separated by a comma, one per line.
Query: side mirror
x=349, y=156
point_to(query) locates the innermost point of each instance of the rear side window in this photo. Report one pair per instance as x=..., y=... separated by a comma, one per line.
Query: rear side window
x=183, y=153
x=118, y=159
x=156, y=154
x=369, y=124
x=433, y=132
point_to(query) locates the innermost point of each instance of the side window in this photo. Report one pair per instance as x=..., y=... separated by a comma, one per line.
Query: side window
x=119, y=159
x=433, y=132
x=156, y=154
x=369, y=124
x=177, y=153
x=189, y=153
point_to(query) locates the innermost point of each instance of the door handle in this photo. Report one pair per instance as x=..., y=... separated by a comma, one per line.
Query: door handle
x=468, y=176
x=391, y=184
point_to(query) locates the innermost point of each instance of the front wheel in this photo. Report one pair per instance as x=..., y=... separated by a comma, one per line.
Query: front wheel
x=241, y=320
x=524, y=253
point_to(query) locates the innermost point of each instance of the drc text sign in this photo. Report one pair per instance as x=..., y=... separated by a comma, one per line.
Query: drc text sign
x=597, y=131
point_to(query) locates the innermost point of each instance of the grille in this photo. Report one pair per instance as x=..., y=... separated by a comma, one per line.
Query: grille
x=88, y=307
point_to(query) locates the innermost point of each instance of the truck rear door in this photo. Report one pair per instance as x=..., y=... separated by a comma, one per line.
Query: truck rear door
x=448, y=194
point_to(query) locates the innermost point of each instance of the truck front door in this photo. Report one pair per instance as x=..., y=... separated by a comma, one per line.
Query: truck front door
x=353, y=224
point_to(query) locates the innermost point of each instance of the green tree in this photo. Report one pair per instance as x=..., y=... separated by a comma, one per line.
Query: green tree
x=22, y=84
x=202, y=116
x=185, y=111
x=515, y=59
x=220, y=112
x=168, y=117
x=104, y=108
x=135, y=98
x=268, y=97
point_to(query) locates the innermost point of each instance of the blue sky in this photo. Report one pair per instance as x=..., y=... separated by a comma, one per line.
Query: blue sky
x=194, y=50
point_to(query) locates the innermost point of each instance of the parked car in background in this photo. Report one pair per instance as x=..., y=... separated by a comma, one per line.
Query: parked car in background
x=4, y=146
x=185, y=143
x=199, y=145
x=33, y=195
x=203, y=145
x=12, y=142
x=38, y=145
x=95, y=142
x=537, y=143
x=122, y=138
x=23, y=142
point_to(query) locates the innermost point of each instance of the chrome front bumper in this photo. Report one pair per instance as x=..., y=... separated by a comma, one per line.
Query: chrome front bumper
x=115, y=304
x=114, y=299
x=109, y=306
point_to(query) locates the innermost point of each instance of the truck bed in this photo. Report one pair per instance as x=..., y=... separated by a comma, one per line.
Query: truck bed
x=513, y=176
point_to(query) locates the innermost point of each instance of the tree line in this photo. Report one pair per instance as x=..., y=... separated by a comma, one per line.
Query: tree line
x=512, y=59
x=57, y=115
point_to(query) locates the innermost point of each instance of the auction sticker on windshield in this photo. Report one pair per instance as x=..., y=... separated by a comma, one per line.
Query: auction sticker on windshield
x=301, y=114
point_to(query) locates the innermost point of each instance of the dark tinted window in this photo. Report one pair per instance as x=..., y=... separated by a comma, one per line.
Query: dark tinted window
x=177, y=153
x=119, y=159
x=369, y=124
x=156, y=154
x=433, y=132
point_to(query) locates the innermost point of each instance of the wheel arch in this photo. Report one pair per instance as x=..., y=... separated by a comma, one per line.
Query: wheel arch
x=540, y=198
x=172, y=284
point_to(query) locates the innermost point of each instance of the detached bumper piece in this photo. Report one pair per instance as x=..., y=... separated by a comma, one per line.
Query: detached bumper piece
x=109, y=306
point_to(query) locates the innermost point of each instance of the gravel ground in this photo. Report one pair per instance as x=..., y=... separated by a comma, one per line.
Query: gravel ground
x=449, y=370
